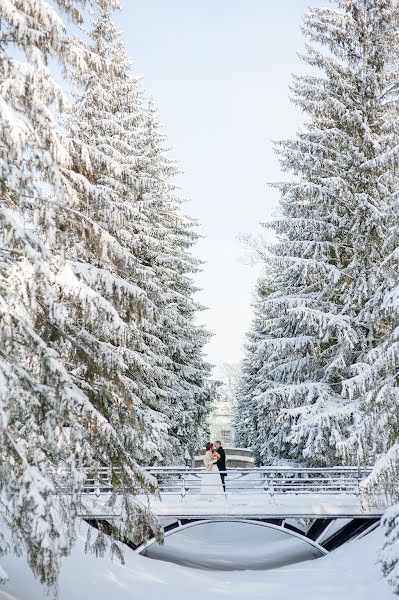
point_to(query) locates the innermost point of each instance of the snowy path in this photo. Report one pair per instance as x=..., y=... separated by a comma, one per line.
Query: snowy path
x=264, y=506
x=256, y=505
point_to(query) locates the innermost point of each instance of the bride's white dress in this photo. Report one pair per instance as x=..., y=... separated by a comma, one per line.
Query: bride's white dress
x=211, y=481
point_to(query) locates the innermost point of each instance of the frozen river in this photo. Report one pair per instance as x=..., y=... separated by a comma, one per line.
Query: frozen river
x=232, y=546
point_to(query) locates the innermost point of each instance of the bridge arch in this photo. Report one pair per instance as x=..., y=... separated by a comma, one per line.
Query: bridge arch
x=184, y=524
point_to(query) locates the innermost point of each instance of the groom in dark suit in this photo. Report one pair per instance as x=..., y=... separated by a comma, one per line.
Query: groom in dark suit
x=221, y=463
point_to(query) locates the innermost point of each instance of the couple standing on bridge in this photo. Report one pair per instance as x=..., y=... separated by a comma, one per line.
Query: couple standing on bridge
x=215, y=464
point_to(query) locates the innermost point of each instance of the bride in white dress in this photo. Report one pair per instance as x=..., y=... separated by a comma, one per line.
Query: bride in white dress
x=211, y=481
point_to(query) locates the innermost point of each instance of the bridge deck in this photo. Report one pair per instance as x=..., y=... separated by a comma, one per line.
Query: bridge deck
x=322, y=505
x=279, y=505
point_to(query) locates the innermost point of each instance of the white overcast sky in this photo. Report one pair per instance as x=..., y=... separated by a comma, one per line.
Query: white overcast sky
x=219, y=71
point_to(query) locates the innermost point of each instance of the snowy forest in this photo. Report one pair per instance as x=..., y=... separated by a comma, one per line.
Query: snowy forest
x=101, y=353
x=102, y=350
x=320, y=377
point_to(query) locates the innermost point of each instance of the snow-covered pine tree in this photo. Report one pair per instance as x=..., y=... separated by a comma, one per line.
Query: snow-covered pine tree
x=245, y=415
x=333, y=227
x=134, y=225
x=389, y=553
x=111, y=291
x=182, y=336
x=383, y=484
x=375, y=385
x=253, y=378
x=45, y=416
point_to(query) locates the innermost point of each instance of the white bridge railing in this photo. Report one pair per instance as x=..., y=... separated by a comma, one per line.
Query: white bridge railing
x=185, y=481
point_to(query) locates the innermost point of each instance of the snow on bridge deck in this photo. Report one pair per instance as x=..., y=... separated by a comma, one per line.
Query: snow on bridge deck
x=265, y=492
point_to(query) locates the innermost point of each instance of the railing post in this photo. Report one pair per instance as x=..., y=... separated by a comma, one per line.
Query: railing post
x=97, y=490
x=183, y=489
x=271, y=484
x=358, y=481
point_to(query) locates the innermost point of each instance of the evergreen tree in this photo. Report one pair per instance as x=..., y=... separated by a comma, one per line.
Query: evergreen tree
x=244, y=411
x=145, y=261
x=252, y=376
x=375, y=385
x=46, y=415
x=171, y=259
x=328, y=392
x=112, y=291
x=332, y=231
x=382, y=485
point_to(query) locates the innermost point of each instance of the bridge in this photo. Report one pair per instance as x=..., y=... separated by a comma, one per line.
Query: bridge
x=325, y=507
x=265, y=492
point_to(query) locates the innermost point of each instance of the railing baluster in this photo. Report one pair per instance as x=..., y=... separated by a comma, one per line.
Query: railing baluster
x=97, y=483
x=183, y=489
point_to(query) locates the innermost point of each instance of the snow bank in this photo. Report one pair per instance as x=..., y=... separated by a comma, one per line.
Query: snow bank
x=350, y=573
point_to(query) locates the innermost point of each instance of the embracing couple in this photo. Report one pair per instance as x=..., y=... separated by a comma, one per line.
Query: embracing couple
x=215, y=464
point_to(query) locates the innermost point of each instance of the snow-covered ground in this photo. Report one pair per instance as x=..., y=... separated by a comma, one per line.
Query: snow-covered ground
x=350, y=573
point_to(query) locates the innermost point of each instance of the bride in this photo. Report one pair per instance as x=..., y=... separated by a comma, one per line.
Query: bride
x=211, y=481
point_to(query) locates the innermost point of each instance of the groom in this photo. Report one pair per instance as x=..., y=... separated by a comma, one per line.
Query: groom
x=221, y=463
